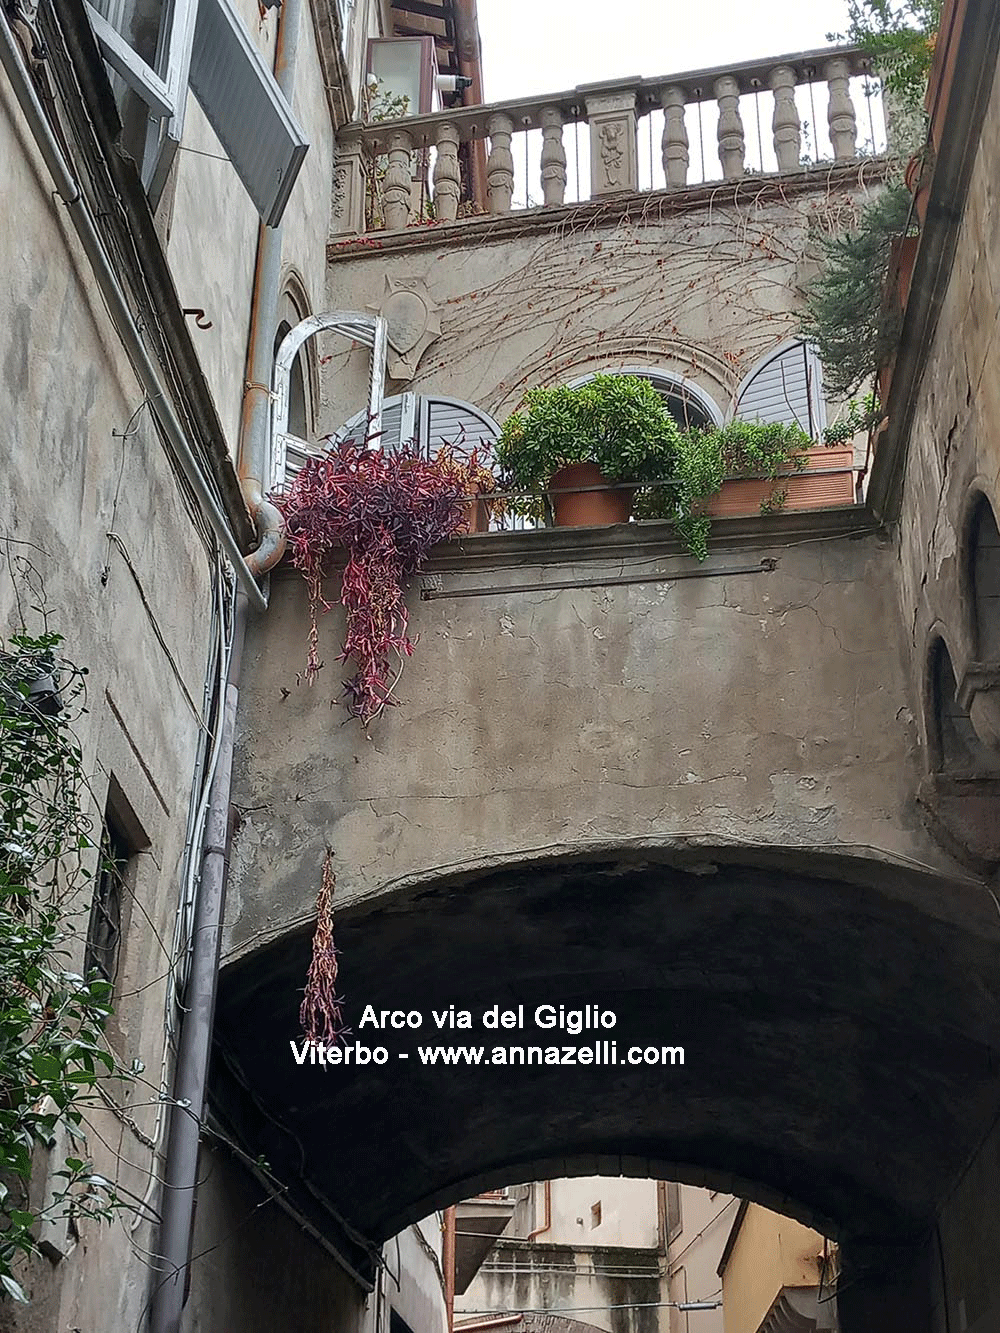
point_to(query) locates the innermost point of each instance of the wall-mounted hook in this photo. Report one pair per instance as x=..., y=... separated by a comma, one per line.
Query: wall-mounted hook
x=199, y=317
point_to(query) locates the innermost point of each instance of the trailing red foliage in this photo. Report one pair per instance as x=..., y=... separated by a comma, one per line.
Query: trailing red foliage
x=385, y=511
x=320, y=1014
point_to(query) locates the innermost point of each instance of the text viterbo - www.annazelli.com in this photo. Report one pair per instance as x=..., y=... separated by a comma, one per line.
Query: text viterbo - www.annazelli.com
x=596, y=1053
x=589, y=1018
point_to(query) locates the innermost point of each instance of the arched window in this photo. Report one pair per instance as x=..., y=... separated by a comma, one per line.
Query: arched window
x=429, y=420
x=298, y=412
x=688, y=404
x=984, y=580
x=955, y=746
x=786, y=387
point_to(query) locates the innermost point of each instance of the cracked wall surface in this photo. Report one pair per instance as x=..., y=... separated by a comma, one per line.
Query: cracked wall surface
x=954, y=449
x=760, y=709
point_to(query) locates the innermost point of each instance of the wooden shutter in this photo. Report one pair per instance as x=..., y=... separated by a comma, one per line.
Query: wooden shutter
x=246, y=108
x=785, y=389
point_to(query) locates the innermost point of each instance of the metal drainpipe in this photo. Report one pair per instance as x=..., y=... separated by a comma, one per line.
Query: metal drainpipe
x=194, y=1052
x=180, y=1171
x=255, y=422
x=547, y=1224
x=448, y=1264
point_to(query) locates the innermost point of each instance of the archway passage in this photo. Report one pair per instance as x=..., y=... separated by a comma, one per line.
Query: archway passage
x=838, y=1020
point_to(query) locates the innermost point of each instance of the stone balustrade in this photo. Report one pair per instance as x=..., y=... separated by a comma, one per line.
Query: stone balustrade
x=777, y=116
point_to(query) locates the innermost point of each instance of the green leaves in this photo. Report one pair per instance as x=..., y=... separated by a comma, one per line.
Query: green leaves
x=616, y=421
x=899, y=35
x=620, y=423
x=844, y=309
x=51, y=1019
x=706, y=457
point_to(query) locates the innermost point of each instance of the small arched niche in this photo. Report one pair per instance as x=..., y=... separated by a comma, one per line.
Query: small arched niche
x=984, y=580
x=955, y=747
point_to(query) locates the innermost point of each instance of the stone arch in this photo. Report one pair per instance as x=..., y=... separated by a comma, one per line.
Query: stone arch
x=822, y=1082
x=303, y=387
x=681, y=362
x=980, y=575
x=952, y=743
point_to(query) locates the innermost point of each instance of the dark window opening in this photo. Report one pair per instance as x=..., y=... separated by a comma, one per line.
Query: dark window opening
x=397, y=1324
x=298, y=417
x=985, y=572
x=121, y=842
x=959, y=748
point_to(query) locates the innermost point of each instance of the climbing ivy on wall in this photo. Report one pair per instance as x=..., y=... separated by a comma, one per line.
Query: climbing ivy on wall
x=52, y=1019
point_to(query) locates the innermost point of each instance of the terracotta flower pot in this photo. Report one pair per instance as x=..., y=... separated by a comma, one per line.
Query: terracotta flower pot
x=918, y=182
x=587, y=508
x=477, y=517
x=804, y=491
x=902, y=258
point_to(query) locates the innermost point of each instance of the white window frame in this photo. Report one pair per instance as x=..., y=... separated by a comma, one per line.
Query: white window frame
x=163, y=89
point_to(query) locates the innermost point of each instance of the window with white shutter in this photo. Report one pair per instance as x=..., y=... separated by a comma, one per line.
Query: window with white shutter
x=786, y=387
x=160, y=48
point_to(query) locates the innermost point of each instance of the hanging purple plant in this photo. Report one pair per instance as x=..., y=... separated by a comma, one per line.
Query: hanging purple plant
x=386, y=511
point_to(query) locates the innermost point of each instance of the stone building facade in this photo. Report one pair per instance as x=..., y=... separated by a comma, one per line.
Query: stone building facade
x=749, y=807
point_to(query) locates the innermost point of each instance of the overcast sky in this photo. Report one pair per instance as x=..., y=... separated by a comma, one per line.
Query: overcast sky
x=536, y=46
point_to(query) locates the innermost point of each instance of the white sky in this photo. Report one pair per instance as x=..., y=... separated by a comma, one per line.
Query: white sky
x=540, y=46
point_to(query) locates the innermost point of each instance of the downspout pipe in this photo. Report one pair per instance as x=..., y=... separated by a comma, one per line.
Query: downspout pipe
x=448, y=1264
x=547, y=1221
x=125, y=325
x=194, y=1052
x=255, y=422
x=180, y=1170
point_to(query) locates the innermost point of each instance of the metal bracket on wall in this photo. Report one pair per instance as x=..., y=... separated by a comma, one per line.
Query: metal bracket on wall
x=430, y=591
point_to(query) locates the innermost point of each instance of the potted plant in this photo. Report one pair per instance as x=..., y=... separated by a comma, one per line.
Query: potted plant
x=576, y=444
x=746, y=467
x=381, y=513
x=471, y=469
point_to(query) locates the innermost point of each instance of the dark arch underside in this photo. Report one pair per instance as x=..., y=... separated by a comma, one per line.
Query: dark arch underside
x=840, y=1038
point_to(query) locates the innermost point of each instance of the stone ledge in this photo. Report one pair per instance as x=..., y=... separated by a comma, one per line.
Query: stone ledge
x=641, y=541
x=643, y=207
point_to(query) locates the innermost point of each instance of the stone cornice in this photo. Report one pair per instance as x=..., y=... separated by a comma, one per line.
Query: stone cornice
x=648, y=206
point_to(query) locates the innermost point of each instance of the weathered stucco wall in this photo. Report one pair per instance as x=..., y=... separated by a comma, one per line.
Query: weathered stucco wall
x=954, y=454
x=214, y=226
x=70, y=478
x=701, y=293
x=954, y=449
x=759, y=709
x=770, y=1252
x=615, y=1289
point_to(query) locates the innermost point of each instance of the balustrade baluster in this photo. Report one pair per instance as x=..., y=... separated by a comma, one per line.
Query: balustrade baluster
x=500, y=163
x=785, y=122
x=675, y=137
x=732, y=148
x=398, y=180
x=447, y=174
x=840, y=112
x=553, y=162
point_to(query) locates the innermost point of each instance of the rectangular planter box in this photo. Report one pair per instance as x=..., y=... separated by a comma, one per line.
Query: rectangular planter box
x=804, y=491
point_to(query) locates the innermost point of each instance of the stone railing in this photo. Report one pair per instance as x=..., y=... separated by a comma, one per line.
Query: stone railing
x=393, y=174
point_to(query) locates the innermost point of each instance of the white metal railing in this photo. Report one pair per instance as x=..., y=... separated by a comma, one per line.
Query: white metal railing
x=783, y=115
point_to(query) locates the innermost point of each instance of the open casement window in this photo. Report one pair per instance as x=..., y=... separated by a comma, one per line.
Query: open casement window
x=160, y=49
x=786, y=387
